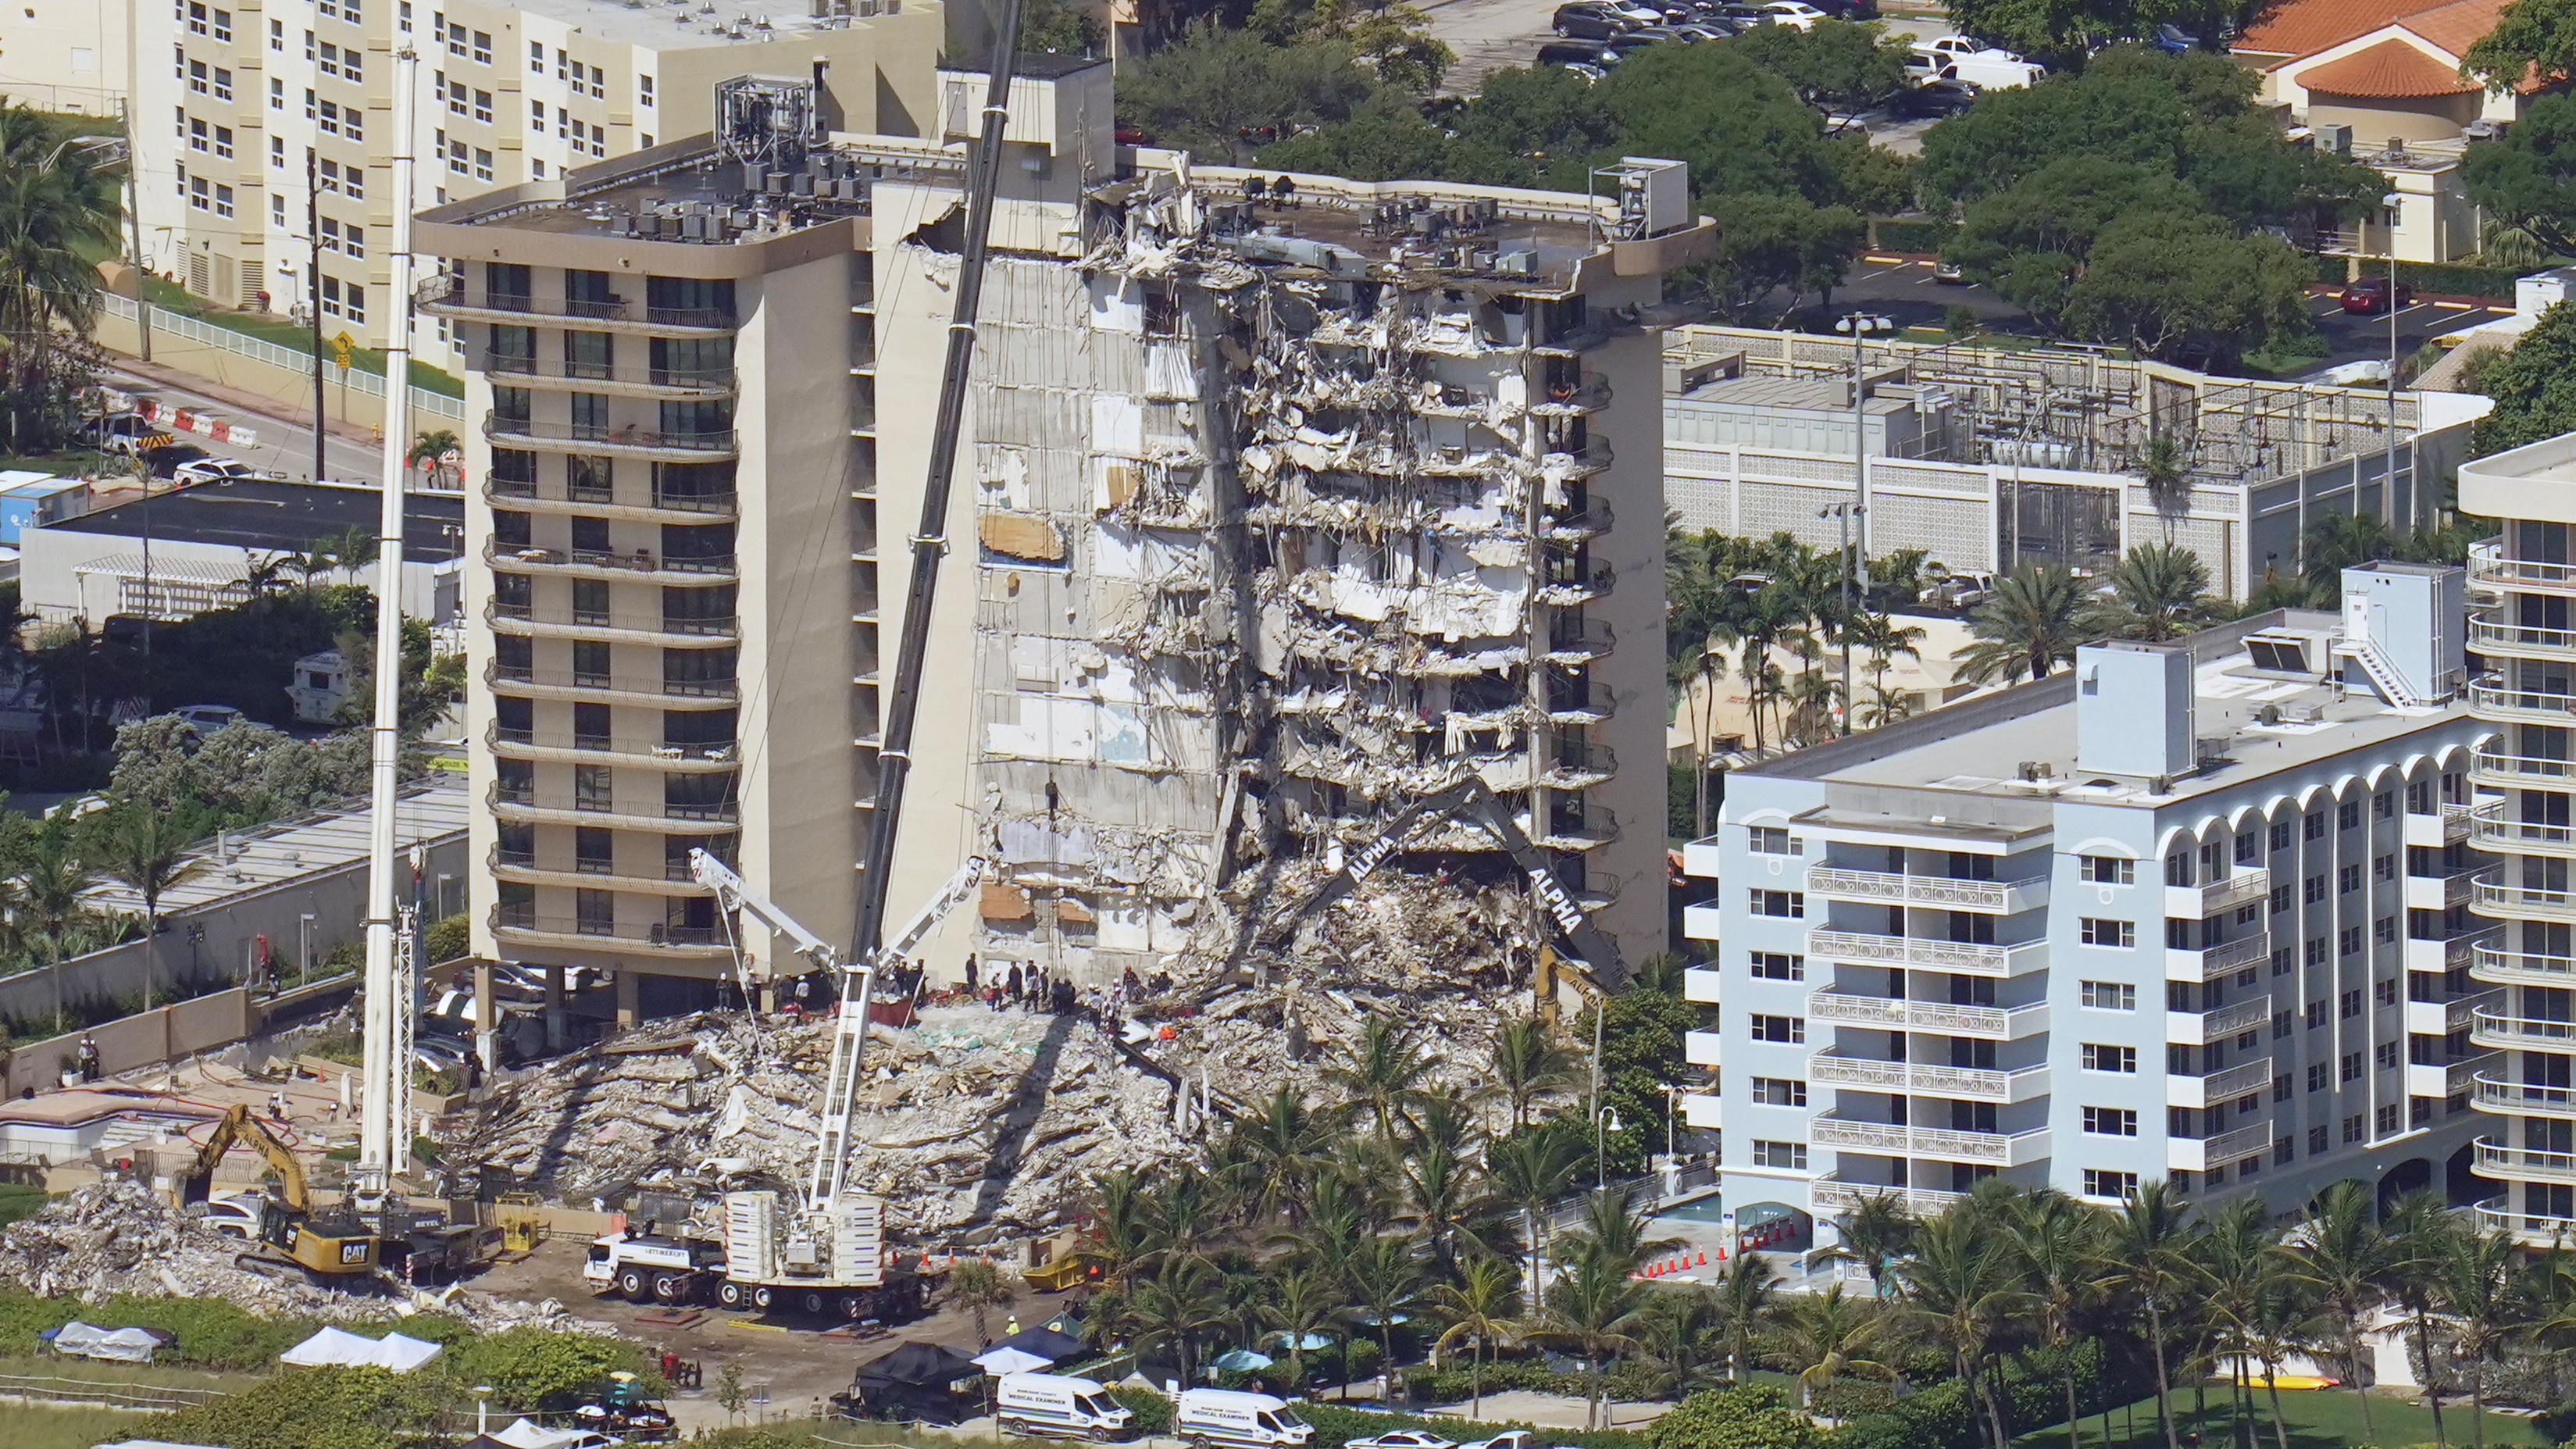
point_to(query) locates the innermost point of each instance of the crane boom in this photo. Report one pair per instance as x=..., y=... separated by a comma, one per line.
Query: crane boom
x=732, y=892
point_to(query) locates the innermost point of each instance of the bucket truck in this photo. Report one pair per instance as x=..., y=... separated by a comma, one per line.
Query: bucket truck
x=824, y=1254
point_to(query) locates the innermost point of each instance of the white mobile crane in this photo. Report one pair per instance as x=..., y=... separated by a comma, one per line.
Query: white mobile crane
x=825, y=1255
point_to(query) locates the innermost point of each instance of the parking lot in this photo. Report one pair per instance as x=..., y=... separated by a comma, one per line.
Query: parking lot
x=1492, y=35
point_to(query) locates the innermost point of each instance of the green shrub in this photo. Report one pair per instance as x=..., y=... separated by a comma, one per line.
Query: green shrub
x=538, y=1368
x=205, y=1332
x=1756, y=1416
x=314, y=1408
x=446, y=939
x=2453, y=279
x=1910, y=233
x=1153, y=1411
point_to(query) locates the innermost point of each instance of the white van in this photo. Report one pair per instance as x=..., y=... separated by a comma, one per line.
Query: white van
x=1061, y=1407
x=1227, y=1416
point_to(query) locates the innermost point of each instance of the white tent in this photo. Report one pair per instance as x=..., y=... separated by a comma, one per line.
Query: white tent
x=523, y=1434
x=1009, y=1360
x=341, y=1347
x=124, y=1345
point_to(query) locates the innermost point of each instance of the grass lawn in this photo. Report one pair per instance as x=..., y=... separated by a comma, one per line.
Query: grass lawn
x=94, y=1372
x=2318, y=1419
x=33, y=1426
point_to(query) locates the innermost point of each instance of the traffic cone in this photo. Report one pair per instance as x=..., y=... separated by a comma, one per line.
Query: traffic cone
x=1703, y=1258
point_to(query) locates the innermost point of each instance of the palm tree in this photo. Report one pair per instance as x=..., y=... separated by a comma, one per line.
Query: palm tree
x=2340, y=541
x=2056, y=1241
x=1741, y=1303
x=1824, y=1337
x=1885, y=707
x=1592, y=1309
x=976, y=1285
x=1280, y=1148
x=1182, y=1299
x=1303, y=1303
x=1182, y=1210
x=2165, y=468
x=1383, y=1072
x=1613, y=1232
x=1529, y=1062
x=1671, y=1325
x=1445, y=1200
x=2240, y=1262
x=145, y=850
x=1530, y=1169
x=1874, y=1233
x=56, y=209
x=2479, y=1293
x=2158, y=591
x=1387, y=1282
x=52, y=880
x=2284, y=1323
x=1482, y=1308
x=1122, y=1231
x=429, y=451
x=1960, y=1291
x=2422, y=1236
x=1885, y=638
x=2342, y=1256
x=2148, y=1255
x=351, y=549
x=2028, y=626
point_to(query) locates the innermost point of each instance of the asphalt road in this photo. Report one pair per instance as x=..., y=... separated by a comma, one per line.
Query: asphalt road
x=1904, y=290
x=283, y=446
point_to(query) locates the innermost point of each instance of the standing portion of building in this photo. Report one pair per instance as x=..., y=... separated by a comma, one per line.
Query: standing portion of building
x=2524, y=584
x=277, y=120
x=2194, y=911
x=1280, y=514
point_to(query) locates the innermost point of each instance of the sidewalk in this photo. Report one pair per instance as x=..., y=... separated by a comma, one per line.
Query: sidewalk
x=251, y=404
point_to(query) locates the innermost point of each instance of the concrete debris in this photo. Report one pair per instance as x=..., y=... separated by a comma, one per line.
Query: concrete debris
x=114, y=1238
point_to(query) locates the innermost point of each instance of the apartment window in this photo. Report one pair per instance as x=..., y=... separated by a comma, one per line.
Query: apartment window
x=456, y=157
x=598, y=84
x=1778, y=966
x=2282, y=964
x=330, y=62
x=276, y=94
x=2280, y=900
x=310, y=53
x=2419, y=1111
x=330, y=234
x=330, y=296
x=196, y=134
x=2280, y=838
x=2349, y=1004
x=2281, y=1087
x=2384, y=930
x=277, y=152
x=2111, y=1121
x=223, y=200
x=536, y=58
x=483, y=106
x=276, y=209
x=2348, y=879
x=2314, y=889
x=594, y=912
x=1770, y=840
x=2352, y=1128
x=2385, y=1119
x=2349, y=1067
x=353, y=241
x=223, y=84
x=594, y=850
x=482, y=47
x=563, y=123
x=277, y=36
x=2249, y=849
x=2383, y=805
x=2099, y=931
x=2386, y=1055
x=2178, y=868
x=179, y=62
x=456, y=98
x=2348, y=941
x=309, y=111
x=2283, y=1023
x=1789, y=1030
x=1780, y=903
x=2384, y=867
x=2316, y=950
x=1790, y=1155
x=455, y=37
x=402, y=16
x=2317, y=1141
x=2110, y=996
x=330, y=118
x=1779, y=1092
x=482, y=164
x=563, y=60
x=2107, y=869
x=197, y=76
x=2348, y=815
x=196, y=20
x=200, y=193
x=354, y=307
x=2385, y=992
x=644, y=91
x=2316, y=1014
x=2317, y=1077
x=2101, y=1182
x=2313, y=827
x=2103, y=1058
x=644, y=139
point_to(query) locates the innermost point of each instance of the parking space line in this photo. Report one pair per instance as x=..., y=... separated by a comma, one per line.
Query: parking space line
x=1868, y=258
x=2458, y=306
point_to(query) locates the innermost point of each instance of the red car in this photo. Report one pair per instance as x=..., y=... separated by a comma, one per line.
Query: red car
x=2370, y=296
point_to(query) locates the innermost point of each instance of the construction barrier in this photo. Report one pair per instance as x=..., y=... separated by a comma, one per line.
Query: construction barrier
x=183, y=420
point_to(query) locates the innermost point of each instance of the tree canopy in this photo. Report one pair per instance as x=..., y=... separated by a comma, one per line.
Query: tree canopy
x=2527, y=177
x=2534, y=385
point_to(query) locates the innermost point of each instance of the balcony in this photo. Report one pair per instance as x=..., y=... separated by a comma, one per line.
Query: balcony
x=558, y=807
x=1890, y=1013
x=2492, y=638
x=1583, y=589
x=2447, y=1079
x=590, y=875
x=1999, y=1149
x=1581, y=707
x=2226, y=1086
x=2200, y=1028
x=2529, y=1164
x=2218, y=897
x=1945, y=892
x=1592, y=522
x=1700, y=922
x=629, y=505
x=2195, y=1154
x=1568, y=402
x=1700, y=983
x=585, y=563
x=600, y=377
x=532, y=928
x=2491, y=961
x=2498, y=770
x=1970, y=958
x=2491, y=1028
x=2224, y=959
x=2490, y=699
x=628, y=441
x=2441, y=1018
x=554, y=621
x=563, y=746
x=2494, y=898
x=1976, y=1084
x=2441, y=892
x=2523, y=1099
x=2448, y=953
x=2488, y=566
x=446, y=296
x=2532, y=1230
x=2449, y=822
x=1579, y=644
x=578, y=686
x=1832, y=1195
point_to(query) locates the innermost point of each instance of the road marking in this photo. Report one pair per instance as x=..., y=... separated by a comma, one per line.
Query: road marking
x=2458, y=306
x=1867, y=258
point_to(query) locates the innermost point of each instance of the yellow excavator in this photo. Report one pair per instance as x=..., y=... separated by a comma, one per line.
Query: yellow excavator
x=329, y=1247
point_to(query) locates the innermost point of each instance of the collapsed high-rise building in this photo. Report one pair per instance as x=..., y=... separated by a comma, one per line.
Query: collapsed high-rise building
x=1289, y=503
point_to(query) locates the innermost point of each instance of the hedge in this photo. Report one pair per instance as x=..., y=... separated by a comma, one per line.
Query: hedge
x=1454, y=1383
x=1910, y=233
x=2449, y=279
x=1335, y=1424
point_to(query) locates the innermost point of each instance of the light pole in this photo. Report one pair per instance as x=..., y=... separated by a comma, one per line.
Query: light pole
x=1855, y=526
x=1605, y=1120
x=2388, y=488
x=304, y=948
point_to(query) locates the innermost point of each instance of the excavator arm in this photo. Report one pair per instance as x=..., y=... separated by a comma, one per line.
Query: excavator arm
x=1598, y=954
x=238, y=1125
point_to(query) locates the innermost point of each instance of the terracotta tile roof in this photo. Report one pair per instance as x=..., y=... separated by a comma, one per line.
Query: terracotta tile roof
x=2391, y=69
x=2456, y=26
x=2301, y=27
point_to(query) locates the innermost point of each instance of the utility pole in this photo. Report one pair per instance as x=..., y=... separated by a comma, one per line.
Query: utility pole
x=1855, y=526
x=313, y=303
x=134, y=228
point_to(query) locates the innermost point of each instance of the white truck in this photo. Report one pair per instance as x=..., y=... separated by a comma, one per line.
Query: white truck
x=651, y=1268
x=1208, y=1417
x=1059, y=1407
x=1994, y=70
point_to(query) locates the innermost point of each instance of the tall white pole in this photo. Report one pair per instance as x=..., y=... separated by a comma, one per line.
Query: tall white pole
x=383, y=1111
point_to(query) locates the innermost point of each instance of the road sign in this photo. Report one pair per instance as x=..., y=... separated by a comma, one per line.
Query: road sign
x=341, y=347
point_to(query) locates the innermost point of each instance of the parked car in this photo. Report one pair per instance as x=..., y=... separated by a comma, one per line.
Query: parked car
x=1695, y=32
x=1744, y=14
x=210, y=469
x=1848, y=9
x=1797, y=14
x=1952, y=47
x=2172, y=39
x=1949, y=273
x=205, y=719
x=233, y=1214
x=2369, y=296
x=1620, y=45
x=1935, y=98
x=1996, y=70
x=1600, y=19
x=167, y=458
x=1593, y=53
x=1402, y=1439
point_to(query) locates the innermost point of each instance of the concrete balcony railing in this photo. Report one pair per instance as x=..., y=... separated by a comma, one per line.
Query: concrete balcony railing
x=2489, y=566
x=664, y=382
x=2490, y=637
x=1944, y=1018
x=608, y=563
x=1832, y=1195
x=1976, y=1084
x=446, y=295
x=2212, y=962
x=2448, y=1079
x=1969, y=958
x=2504, y=771
x=549, y=928
x=561, y=497
x=2490, y=829
x=2492, y=961
x=1999, y=1149
x=574, y=683
x=533, y=744
x=2440, y=893
x=2203, y=1027
x=2527, y=1099
x=2530, y=1229
x=2495, y=898
x=2200, y=1154
x=2528, y=1164
x=2441, y=1018
x=2491, y=1028
x=1946, y=892
x=560, y=619
x=2218, y=897
x=1579, y=644
x=2489, y=698
x=2216, y=1087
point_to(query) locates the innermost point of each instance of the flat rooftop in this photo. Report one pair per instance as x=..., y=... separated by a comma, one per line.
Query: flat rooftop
x=664, y=25
x=1800, y=394
x=1976, y=747
x=255, y=860
x=272, y=515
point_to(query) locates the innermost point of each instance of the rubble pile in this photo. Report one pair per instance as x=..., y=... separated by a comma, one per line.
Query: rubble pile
x=113, y=1238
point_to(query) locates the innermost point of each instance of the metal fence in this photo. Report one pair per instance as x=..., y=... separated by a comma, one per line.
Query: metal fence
x=259, y=349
